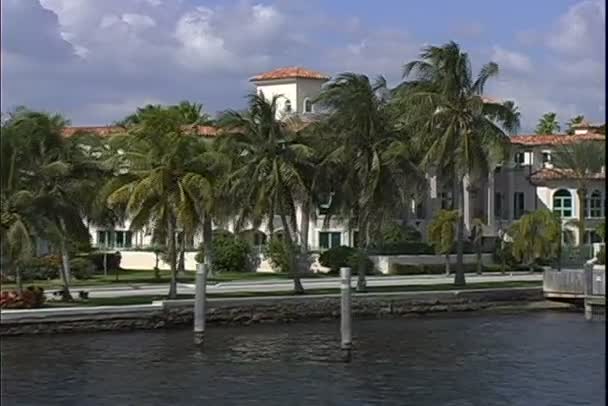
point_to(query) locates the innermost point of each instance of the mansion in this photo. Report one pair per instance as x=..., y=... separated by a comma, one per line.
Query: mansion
x=523, y=183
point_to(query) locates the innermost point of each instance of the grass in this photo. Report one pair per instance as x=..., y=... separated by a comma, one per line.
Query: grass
x=134, y=300
x=127, y=277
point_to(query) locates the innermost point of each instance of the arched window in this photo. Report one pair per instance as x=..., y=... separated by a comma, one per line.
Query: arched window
x=562, y=203
x=593, y=205
x=287, y=106
x=307, y=106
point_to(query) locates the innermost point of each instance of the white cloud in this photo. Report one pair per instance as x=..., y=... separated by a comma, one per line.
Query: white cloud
x=138, y=20
x=580, y=32
x=511, y=60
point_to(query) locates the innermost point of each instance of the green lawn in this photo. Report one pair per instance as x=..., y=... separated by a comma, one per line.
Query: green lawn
x=132, y=300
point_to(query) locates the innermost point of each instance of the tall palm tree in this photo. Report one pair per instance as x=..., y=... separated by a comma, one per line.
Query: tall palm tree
x=573, y=122
x=168, y=176
x=582, y=162
x=378, y=172
x=547, y=124
x=444, y=103
x=266, y=177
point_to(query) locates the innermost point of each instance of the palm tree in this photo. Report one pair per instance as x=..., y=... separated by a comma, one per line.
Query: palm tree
x=574, y=121
x=266, y=177
x=444, y=104
x=378, y=174
x=441, y=234
x=581, y=162
x=168, y=177
x=536, y=235
x=547, y=124
x=477, y=240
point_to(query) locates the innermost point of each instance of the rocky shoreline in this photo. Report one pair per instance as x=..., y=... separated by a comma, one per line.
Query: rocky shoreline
x=245, y=311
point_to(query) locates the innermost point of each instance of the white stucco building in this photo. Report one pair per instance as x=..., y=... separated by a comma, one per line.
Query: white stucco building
x=522, y=184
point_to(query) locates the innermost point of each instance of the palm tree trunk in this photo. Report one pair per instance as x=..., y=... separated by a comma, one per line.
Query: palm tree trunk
x=18, y=279
x=304, y=227
x=361, y=264
x=478, y=258
x=447, y=264
x=293, y=268
x=181, y=264
x=207, y=243
x=65, y=270
x=459, y=279
x=171, y=249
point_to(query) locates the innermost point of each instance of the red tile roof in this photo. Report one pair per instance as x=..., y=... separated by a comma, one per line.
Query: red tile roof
x=202, y=130
x=289, y=73
x=547, y=174
x=534, y=140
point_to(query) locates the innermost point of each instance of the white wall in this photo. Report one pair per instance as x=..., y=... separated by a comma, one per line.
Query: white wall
x=308, y=88
x=286, y=88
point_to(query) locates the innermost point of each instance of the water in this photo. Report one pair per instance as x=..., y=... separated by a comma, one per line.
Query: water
x=525, y=359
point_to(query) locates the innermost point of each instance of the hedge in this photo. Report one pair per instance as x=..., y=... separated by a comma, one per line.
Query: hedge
x=438, y=269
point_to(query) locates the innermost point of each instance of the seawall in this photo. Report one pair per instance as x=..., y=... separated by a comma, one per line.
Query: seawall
x=244, y=311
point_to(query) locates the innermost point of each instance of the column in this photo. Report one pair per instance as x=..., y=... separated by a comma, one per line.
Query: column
x=490, y=202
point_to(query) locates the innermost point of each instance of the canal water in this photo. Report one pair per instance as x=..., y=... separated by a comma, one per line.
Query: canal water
x=520, y=359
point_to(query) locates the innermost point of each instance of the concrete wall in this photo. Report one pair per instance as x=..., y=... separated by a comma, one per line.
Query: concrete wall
x=245, y=311
x=564, y=283
x=145, y=260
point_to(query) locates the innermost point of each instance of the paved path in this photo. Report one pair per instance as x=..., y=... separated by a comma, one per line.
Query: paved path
x=277, y=285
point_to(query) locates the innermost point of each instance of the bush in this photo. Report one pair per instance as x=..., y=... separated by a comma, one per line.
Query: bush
x=82, y=268
x=338, y=257
x=427, y=269
x=396, y=233
x=401, y=248
x=229, y=254
x=32, y=297
x=601, y=256
x=113, y=260
x=279, y=254
x=41, y=268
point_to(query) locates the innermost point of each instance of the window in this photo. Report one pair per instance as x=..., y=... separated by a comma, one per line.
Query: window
x=447, y=203
x=355, y=239
x=307, y=106
x=562, y=203
x=520, y=158
x=324, y=207
x=329, y=239
x=591, y=237
x=498, y=205
x=593, y=205
x=546, y=158
x=115, y=239
x=287, y=106
x=420, y=210
x=518, y=204
x=259, y=239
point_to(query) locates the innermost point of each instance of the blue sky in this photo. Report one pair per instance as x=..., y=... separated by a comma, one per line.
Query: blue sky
x=96, y=61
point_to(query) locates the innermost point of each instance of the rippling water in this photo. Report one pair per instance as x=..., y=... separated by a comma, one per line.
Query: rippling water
x=525, y=359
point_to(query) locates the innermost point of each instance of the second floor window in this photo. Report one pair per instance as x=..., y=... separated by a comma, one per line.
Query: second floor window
x=546, y=158
x=562, y=203
x=498, y=205
x=520, y=158
x=307, y=106
x=593, y=205
x=287, y=106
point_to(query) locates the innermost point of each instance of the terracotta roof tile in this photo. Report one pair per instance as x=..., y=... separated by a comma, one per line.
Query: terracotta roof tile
x=203, y=130
x=554, y=139
x=547, y=174
x=289, y=73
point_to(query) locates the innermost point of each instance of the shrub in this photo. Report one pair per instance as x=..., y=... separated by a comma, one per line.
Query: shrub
x=279, y=254
x=396, y=233
x=41, y=268
x=82, y=268
x=338, y=257
x=425, y=269
x=601, y=256
x=401, y=248
x=30, y=298
x=229, y=254
x=113, y=260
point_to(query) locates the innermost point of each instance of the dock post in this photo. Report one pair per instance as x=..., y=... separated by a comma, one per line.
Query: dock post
x=345, y=314
x=199, y=303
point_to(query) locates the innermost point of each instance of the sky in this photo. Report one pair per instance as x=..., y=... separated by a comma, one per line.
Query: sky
x=96, y=61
